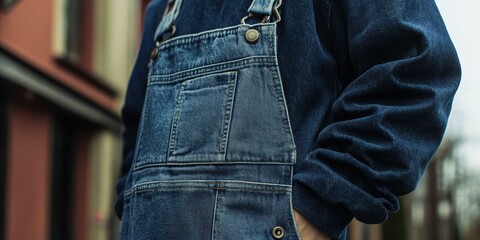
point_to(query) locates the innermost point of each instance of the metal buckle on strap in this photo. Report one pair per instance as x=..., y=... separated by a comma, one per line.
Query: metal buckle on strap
x=167, y=35
x=276, y=11
x=265, y=19
x=168, y=7
x=172, y=29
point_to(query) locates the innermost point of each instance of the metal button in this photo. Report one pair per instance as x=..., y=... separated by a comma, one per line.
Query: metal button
x=252, y=35
x=154, y=53
x=278, y=232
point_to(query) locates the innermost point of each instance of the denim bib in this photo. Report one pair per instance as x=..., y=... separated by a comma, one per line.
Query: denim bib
x=215, y=149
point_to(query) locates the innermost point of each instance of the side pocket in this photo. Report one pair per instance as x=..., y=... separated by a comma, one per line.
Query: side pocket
x=294, y=222
x=253, y=214
x=169, y=211
x=202, y=118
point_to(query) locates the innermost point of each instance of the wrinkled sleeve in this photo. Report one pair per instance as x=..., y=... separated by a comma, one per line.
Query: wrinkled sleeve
x=132, y=108
x=388, y=118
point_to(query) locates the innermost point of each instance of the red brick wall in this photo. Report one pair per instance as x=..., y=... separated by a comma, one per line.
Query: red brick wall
x=28, y=185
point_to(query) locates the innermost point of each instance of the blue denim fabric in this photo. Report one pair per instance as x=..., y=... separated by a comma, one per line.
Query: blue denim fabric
x=169, y=19
x=368, y=87
x=261, y=7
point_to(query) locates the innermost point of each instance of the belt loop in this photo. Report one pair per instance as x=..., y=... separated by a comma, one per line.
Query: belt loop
x=170, y=15
x=261, y=7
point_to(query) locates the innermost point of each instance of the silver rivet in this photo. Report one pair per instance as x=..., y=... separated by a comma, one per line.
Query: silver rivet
x=278, y=232
x=252, y=35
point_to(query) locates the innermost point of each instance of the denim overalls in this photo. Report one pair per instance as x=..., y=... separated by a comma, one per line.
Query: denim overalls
x=215, y=149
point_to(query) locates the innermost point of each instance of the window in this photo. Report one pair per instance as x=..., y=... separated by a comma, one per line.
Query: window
x=74, y=33
x=78, y=29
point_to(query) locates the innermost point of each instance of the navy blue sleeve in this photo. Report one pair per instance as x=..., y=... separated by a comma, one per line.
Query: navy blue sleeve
x=132, y=108
x=390, y=114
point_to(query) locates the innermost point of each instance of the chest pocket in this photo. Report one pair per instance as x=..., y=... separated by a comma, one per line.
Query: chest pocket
x=202, y=117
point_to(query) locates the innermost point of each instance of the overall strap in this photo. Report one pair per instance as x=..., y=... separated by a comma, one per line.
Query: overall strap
x=261, y=7
x=169, y=16
x=268, y=10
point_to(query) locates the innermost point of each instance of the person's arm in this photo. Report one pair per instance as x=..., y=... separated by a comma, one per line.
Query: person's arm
x=132, y=108
x=401, y=72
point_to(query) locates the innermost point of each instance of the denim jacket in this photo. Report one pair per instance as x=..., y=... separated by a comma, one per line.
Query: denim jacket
x=368, y=86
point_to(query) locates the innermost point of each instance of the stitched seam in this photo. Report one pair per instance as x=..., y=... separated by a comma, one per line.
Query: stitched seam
x=214, y=214
x=213, y=184
x=277, y=84
x=281, y=105
x=269, y=40
x=192, y=73
x=175, y=121
x=294, y=230
x=159, y=164
x=128, y=193
x=228, y=113
x=281, y=100
x=218, y=221
x=208, y=187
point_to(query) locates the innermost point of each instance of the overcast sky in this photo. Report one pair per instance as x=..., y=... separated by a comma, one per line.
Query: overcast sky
x=462, y=18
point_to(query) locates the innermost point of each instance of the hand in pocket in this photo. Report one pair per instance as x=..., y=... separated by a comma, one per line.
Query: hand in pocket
x=307, y=230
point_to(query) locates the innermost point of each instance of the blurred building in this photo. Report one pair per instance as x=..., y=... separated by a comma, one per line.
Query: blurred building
x=64, y=66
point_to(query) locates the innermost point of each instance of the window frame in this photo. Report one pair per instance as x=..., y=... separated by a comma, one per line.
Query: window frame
x=81, y=65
